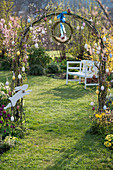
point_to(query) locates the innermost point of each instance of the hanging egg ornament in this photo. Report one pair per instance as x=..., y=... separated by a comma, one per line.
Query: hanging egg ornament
x=98, y=52
x=55, y=18
x=18, y=107
x=97, y=92
x=91, y=20
x=7, y=83
x=104, y=107
x=85, y=46
x=19, y=76
x=45, y=19
x=43, y=31
x=82, y=27
x=50, y=22
x=28, y=20
x=108, y=90
x=13, y=78
x=83, y=24
x=93, y=108
x=13, y=42
x=10, y=93
x=78, y=27
x=36, y=45
x=31, y=28
x=51, y=40
x=69, y=10
x=104, y=39
x=102, y=88
x=18, y=53
x=12, y=118
x=107, y=70
x=92, y=103
x=99, y=48
x=110, y=55
x=23, y=68
x=93, y=50
x=95, y=44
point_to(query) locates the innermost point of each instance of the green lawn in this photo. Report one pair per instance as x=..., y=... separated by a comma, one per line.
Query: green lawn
x=58, y=120
x=57, y=54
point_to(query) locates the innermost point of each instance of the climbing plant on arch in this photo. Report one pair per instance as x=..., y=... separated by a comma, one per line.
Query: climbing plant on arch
x=103, y=86
x=19, y=61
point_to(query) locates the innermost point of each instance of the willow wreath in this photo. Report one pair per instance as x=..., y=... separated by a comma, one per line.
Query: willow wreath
x=58, y=39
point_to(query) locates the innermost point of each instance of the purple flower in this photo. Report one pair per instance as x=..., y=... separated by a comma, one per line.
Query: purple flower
x=1, y=121
x=8, y=115
x=4, y=112
x=1, y=109
x=7, y=124
x=4, y=131
x=3, y=106
x=0, y=114
x=11, y=126
x=6, y=118
x=14, y=127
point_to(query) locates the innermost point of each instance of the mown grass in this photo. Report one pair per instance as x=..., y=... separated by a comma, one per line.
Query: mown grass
x=54, y=53
x=58, y=121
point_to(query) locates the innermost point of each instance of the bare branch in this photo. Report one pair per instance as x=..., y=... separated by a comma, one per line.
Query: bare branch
x=105, y=12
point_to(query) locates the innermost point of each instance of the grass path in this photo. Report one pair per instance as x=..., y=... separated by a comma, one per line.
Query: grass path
x=58, y=120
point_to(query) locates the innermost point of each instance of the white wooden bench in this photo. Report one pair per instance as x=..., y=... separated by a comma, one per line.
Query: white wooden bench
x=86, y=69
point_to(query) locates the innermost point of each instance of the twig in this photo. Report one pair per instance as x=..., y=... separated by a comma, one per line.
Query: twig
x=105, y=12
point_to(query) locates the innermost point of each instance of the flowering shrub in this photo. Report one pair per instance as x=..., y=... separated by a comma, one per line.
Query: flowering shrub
x=109, y=141
x=6, y=126
x=3, y=94
x=7, y=143
x=103, y=122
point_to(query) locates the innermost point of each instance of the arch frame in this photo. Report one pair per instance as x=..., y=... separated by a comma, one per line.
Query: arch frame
x=102, y=65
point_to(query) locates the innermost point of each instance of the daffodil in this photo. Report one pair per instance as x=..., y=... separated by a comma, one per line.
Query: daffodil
x=97, y=115
x=107, y=144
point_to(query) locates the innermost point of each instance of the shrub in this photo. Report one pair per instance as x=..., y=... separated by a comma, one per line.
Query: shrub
x=6, y=64
x=53, y=68
x=19, y=132
x=37, y=70
x=38, y=56
x=63, y=65
x=3, y=94
x=8, y=143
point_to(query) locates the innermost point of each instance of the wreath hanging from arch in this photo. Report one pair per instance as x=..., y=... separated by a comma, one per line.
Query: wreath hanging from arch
x=63, y=37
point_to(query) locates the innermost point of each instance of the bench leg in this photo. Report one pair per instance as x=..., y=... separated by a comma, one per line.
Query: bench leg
x=85, y=82
x=66, y=78
x=79, y=80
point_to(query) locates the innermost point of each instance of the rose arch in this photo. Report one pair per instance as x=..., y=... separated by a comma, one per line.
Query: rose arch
x=102, y=62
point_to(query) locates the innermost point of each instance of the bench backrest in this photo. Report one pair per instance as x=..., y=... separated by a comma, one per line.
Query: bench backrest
x=88, y=66
x=84, y=66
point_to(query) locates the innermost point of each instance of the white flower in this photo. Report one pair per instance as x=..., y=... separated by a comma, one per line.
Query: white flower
x=12, y=118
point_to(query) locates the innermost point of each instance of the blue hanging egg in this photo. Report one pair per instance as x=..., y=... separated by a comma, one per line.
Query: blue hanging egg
x=110, y=55
x=104, y=107
x=28, y=20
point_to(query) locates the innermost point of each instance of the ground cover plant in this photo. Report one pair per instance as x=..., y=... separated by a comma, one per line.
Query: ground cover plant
x=58, y=119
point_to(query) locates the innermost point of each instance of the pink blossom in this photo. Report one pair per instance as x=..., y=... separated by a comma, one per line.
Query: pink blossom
x=11, y=18
x=10, y=25
x=3, y=21
x=1, y=25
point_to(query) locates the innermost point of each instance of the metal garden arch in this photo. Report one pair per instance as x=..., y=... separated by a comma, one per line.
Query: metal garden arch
x=102, y=65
